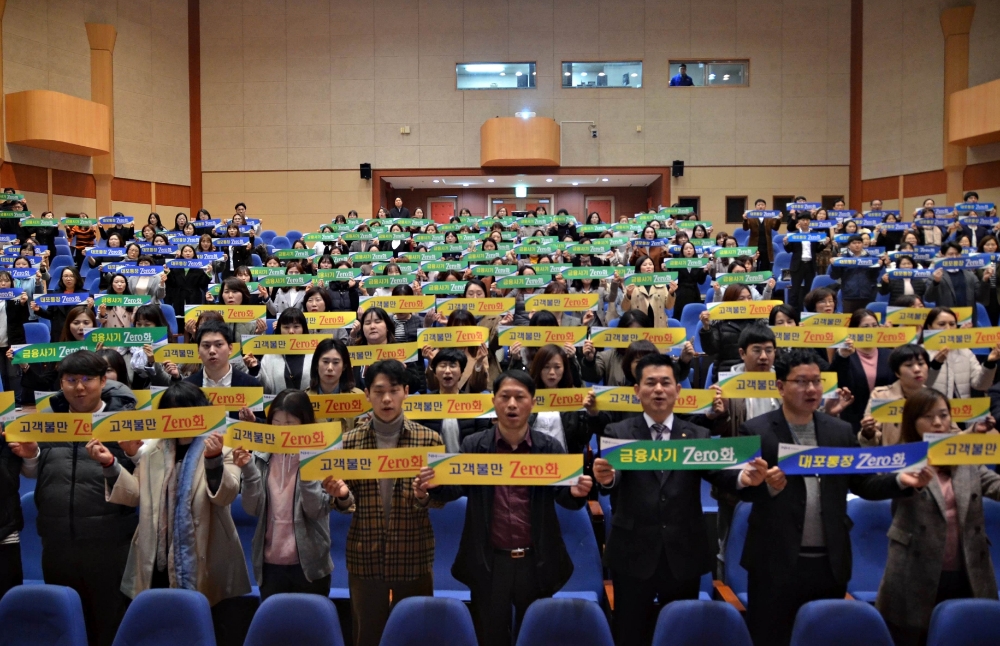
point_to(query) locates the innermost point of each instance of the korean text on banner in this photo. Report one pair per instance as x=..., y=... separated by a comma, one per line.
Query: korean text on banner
x=680, y=455
x=800, y=460
x=365, y=464
x=265, y=438
x=527, y=469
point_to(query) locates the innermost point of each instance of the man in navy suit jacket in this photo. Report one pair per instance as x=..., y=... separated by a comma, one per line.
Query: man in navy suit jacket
x=659, y=545
x=215, y=344
x=798, y=544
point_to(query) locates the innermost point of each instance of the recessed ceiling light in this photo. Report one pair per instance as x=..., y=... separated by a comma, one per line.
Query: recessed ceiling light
x=634, y=75
x=576, y=183
x=711, y=77
x=491, y=180
x=583, y=73
x=464, y=184
x=437, y=181
x=725, y=77
x=517, y=74
x=604, y=179
x=503, y=73
x=549, y=179
x=487, y=67
x=566, y=74
x=534, y=73
x=600, y=73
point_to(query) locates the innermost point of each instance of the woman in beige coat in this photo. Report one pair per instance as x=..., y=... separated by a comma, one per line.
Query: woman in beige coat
x=654, y=300
x=937, y=549
x=186, y=537
x=957, y=372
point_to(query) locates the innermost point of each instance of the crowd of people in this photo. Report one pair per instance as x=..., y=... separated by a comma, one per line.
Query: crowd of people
x=645, y=270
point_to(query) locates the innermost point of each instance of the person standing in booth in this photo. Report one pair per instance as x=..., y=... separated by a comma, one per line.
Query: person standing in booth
x=760, y=235
x=398, y=210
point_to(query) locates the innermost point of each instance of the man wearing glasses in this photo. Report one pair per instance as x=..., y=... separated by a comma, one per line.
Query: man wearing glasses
x=798, y=546
x=85, y=540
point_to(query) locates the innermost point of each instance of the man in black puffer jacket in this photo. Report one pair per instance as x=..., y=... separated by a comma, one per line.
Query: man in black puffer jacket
x=85, y=540
x=11, y=520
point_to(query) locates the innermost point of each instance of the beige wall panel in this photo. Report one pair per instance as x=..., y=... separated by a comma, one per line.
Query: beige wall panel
x=63, y=204
x=139, y=211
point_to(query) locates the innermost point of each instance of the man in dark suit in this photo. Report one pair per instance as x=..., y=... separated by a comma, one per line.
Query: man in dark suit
x=215, y=344
x=803, y=261
x=658, y=546
x=398, y=210
x=798, y=546
x=512, y=550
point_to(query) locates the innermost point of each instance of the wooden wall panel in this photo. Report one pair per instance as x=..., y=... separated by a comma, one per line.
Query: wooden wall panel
x=33, y=179
x=131, y=190
x=73, y=184
x=194, y=103
x=985, y=175
x=857, y=105
x=883, y=188
x=173, y=195
x=930, y=183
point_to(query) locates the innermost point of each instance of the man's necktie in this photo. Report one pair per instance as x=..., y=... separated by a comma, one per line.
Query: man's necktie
x=658, y=431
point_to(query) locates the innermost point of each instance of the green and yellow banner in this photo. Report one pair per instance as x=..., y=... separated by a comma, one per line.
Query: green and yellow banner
x=125, y=426
x=535, y=337
x=499, y=469
x=761, y=385
x=234, y=399
x=289, y=440
x=741, y=310
x=477, y=306
x=473, y=406
x=828, y=320
x=329, y=320
x=365, y=464
x=399, y=304
x=882, y=337
x=680, y=455
x=559, y=400
x=339, y=406
x=962, y=410
x=809, y=336
x=185, y=353
x=952, y=449
x=918, y=315
x=366, y=355
x=230, y=313
x=281, y=343
x=453, y=337
x=613, y=337
x=49, y=427
x=691, y=401
x=970, y=337
x=561, y=302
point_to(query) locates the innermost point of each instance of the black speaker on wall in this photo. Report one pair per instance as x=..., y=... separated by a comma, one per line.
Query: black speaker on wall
x=366, y=171
x=678, y=168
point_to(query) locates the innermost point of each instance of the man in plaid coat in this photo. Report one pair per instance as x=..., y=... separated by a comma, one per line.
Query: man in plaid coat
x=390, y=544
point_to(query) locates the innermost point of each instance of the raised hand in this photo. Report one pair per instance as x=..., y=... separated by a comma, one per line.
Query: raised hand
x=754, y=473
x=582, y=487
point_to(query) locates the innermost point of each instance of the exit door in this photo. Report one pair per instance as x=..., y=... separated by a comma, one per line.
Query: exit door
x=441, y=208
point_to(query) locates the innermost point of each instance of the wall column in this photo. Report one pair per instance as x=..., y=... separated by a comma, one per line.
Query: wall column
x=102, y=48
x=955, y=23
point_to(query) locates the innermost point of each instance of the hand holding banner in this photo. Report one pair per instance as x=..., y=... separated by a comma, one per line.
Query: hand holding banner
x=49, y=427
x=952, y=449
x=281, y=343
x=131, y=425
x=762, y=385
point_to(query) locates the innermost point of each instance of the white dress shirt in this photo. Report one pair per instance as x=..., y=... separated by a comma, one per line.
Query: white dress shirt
x=225, y=382
x=668, y=423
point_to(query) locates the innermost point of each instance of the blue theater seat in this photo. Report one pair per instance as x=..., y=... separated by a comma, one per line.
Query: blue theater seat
x=694, y=623
x=869, y=546
x=838, y=622
x=31, y=544
x=295, y=619
x=965, y=622
x=152, y=619
x=42, y=615
x=561, y=622
x=417, y=621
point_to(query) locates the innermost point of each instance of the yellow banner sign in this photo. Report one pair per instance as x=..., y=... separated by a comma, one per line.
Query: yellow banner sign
x=329, y=320
x=522, y=469
x=281, y=343
x=918, y=315
x=882, y=337
x=186, y=353
x=561, y=302
x=230, y=313
x=49, y=427
x=366, y=464
x=808, y=336
x=366, y=355
x=969, y=337
x=614, y=337
x=233, y=399
x=828, y=320
x=266, y=438
x=691, y=401
x=337, y=406
x=962, y=410
x=741, y=310
x=761, y=385
x=963, y=448
x=453, y=337
x=559, y=400
x=420, y=407
x=7, y=412
x=399, y=304
x=477, y=306
x=130, y=425
x=536, y=337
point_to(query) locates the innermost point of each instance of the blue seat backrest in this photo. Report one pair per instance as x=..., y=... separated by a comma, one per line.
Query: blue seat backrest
x=869, y=545
x=31, y=544
x=734, y=575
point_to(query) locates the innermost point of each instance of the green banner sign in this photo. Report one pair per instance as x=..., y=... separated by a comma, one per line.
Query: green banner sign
x=39, y=222
x=593, y=273
x=293, y=254
x=656, y=278
x=18, y=215
x=686, y=263
x=47, y=352
x=286, y=280
x=370, y=256
x=127, y=337
x=70, y=222
x=422, y=256
x=494, y=270
x=450, y=248
x=592, y=228
x=445, y=265
x=751, y=278
x=524, y=282
x=121, y=300
x=680, y=455
x=404, y=267
x=448, y=287
x=257, y=272
x=341, y=275
x=734, y=252
x=389, y=281
x=483, y=256
x=321, y=237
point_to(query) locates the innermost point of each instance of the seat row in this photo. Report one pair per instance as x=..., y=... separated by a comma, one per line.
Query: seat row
x=50, y=615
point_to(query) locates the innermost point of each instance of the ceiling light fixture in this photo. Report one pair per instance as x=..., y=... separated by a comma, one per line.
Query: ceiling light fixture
x=583, y=73
x=517, y=74
x=549, y=180
x=566, y=74
x=491, y=180
x=711, y=77
x=437, y=181
x=634, y=75
x=465, y=184
x=503, y=73
x=604, y=179
x=600, y=73
x=524, y=114
x=576, y=183
x=725, y=77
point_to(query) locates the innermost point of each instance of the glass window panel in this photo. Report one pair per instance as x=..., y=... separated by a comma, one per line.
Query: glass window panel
x=713, y=73
x=608, y=74
x=495, y=76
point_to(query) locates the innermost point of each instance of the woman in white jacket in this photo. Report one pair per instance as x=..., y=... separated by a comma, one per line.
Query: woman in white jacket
x=280, y=371
x=957, y=372
x=281, y=298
